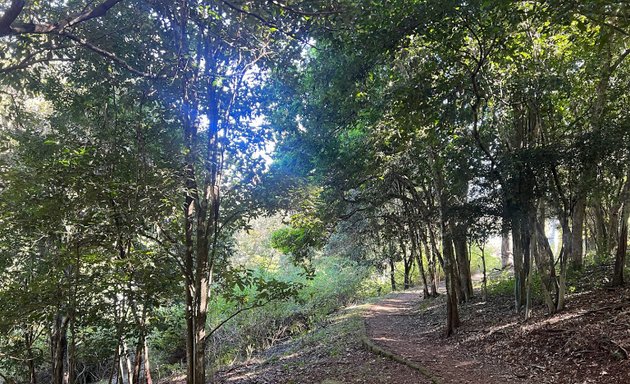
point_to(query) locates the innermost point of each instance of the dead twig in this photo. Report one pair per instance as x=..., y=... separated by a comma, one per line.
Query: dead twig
x=622, y=349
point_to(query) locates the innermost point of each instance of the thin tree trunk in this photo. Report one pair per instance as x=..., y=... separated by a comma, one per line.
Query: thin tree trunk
x=463, y=262
x=121, y=367
x=59, y=348
x=517, y=254
x=545, y=264
x=114, y=366
x=30, y=362
x=416, y=252
x=431, y=264
x=125, y=364
x=622, y=241
x=577, y=229
x=620, y=255
x=505, y=250
x=147, y=368
x=526, y=238
x=485, y=276
x=72, y=353
x=392, y=274
x=448, y=264
x=137, y=363
x=622, y=247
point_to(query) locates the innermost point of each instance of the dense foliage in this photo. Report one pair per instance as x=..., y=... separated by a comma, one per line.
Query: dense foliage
x=142, y=212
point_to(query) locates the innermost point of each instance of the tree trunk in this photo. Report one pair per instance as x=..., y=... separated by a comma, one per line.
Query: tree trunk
x=32, y=374
x=620, y=256
x=392, y=274
x=407, y=263
x=114, y=365
x=521, y=238
x=147, y=368
x=59, y=349
x=137, y=362
x=526, y=239
x=485, y=277
x=622, y=247
x=125, y=364
x=30, y=358
x=72, y=353
x=545, y=264
x=506, y=253
x=121, y=368
x=602, y=241
x=416, y=252
x=577, y=229
x=448, y=264
x=517, y=254
x=433, y=272
x=463, y=262
x=622, y=241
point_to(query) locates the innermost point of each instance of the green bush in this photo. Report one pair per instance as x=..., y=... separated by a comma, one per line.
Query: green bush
x=336, y=283
x=504, y=286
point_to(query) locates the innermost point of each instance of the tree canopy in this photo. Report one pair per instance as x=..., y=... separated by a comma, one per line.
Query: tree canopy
x=140, y=138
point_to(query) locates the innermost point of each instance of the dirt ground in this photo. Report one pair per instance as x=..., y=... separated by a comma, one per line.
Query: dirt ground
x=399, y=325
x=331, y=355
x=586, y=343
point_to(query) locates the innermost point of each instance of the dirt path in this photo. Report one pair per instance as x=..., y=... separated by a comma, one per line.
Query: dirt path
x=396, y=324
x=333, y=354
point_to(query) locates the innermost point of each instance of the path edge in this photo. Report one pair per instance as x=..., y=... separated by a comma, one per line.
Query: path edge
x=378, y=350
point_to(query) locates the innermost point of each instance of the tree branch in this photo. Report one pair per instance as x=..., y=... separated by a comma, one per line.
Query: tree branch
x=265, y=22
x=10, y=15
x=108, y=55
x=7, y=20
x=233, y=315
x=304, y=13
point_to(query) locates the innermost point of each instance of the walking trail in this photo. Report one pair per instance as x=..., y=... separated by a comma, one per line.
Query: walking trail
x=397, y=324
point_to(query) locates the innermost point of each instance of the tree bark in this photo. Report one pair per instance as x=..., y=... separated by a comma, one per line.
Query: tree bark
x=416, y=253
x=407, y=263
x=506, y=253
x=432, y=267
x=545, y=264
x=147, y=367
x=452, y=322
x=622, y=242
x=620, y=255
x=517, y=254
x=72, y=352
x=59, y=349
x=137, y=362
x=463, y=262
x=392, y=274
x=577, y=229
x=30, y=358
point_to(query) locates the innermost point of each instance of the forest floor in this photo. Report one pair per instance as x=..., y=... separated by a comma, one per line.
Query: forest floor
x=331, y=354
x=586, y=343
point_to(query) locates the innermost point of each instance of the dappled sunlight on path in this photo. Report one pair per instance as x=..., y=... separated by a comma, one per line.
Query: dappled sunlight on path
x=402, y=325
